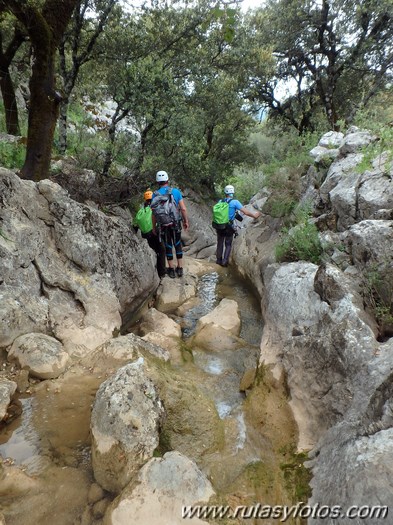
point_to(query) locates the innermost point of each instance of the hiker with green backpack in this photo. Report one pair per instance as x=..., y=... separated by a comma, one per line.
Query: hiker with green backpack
x=143, y=221
x=225, y=211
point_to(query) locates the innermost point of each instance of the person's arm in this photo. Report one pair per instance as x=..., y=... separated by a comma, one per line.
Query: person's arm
x=249, y=213
x=183, y=211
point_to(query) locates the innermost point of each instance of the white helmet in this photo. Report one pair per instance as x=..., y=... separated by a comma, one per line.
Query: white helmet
x=162, y=176
x=229, y=189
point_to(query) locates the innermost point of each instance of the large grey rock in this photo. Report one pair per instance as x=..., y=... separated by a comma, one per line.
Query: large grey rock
x=376, y=189
x=67, y=269
x=173, y=292
x=370, y=243
x=316, y=332
x=43, y=356
x=159, y=329
x=343, y=199
x=7, y=390
x=124, y=426
x=340, y=169
x=353, y=463
x=200, y=239
x=220, y=328
x=355, y=139
x=164, y=485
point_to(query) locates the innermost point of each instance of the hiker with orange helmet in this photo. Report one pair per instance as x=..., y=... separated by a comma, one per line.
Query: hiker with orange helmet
x=143, y=221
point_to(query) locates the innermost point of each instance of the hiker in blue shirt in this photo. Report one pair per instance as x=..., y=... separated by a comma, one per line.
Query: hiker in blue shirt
x=144, y=222
x=171, y=232
x=225, y=235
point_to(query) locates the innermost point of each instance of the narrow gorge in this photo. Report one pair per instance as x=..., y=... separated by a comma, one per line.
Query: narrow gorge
x=124, y=398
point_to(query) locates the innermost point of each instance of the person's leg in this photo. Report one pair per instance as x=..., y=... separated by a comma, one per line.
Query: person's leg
x=178, y=247
x=228, y=247
x=168, y=243
x=159, y=248
x=179, y=251
x=220, y=247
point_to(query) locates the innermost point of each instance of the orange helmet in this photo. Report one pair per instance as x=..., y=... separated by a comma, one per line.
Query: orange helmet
x=148, y=195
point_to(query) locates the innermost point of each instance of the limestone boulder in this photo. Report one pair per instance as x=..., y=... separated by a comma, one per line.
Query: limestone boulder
x=253, y=250
x=343, y=198
x=318, y=334
x=123, y=350
x=370, y=243
x=200, y=239
x=155, y=321
x=320, y=153
x=220, y=328
x=67, y=269
x=353, y=462
x=164, y=485
x=355, y=139
x=125, y=424
x=173, y=292
x=331, y=139
x=225, y=315
x=168, y=344
x=375, y=195
x=342, y=167
x=43, y=356
x=7, y=390
x=159, y=329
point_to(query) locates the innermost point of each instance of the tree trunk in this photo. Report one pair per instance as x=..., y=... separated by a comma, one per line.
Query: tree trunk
x=10, y=106
x=6, y=84
x=63, y=127
x=43, y=113
x=142, y=148
x=109, y=150
x=45, y=23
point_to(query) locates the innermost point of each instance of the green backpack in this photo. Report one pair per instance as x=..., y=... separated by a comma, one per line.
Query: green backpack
x=221, y=214
x=143, y=219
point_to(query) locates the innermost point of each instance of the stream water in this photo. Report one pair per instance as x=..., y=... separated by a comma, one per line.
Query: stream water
x=50, y=442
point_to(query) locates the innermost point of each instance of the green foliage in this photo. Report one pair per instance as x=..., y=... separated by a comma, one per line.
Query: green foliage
x=12, y=155
x=301, y=241
x=247, y=182
x=384, y=144
x=285, y=159
x=326, y=79
x=378, y=294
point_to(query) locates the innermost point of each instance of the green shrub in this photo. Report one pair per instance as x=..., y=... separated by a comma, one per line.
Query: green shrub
x=301, y=242
x=285, y=159
x=12, y=155
x=247, y=183
x=378, y=295
x=372, y=151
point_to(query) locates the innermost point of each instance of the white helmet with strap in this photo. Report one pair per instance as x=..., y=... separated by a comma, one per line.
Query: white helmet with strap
x=228, y=190
x=162, y=176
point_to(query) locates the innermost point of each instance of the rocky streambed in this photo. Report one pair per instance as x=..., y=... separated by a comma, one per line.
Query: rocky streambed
x=93, y=446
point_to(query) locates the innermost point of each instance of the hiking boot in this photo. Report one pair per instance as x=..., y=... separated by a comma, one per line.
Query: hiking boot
x=179, y=271
x=171, y=273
